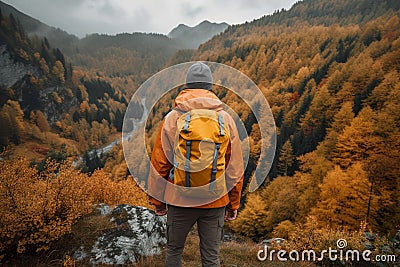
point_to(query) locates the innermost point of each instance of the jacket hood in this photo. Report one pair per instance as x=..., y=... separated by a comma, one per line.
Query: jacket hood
x=190, y=99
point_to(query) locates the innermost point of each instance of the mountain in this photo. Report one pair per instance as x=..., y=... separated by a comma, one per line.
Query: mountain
x=57, y=37
x=182, y=36
x=192, y=37
x=142, y=53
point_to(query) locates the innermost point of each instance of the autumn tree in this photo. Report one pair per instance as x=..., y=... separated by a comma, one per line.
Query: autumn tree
x=341, y=119
x=344, y=198
x=264, y=210
x=286, y=158
x=6, y=128
x=313, y=168
x=358, y=140
x=42, y=122
x=12, y=116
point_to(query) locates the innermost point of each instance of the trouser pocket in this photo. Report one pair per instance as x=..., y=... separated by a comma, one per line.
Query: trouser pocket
x=220, y=230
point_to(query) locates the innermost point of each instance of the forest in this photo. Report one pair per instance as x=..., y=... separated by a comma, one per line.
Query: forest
x=330, y=72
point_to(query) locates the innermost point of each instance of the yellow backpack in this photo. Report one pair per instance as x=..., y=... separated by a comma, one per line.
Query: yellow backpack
x=199, y=153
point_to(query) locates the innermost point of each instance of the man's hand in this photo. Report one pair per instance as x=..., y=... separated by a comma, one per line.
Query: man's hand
x=230, y=215
x=160, y=210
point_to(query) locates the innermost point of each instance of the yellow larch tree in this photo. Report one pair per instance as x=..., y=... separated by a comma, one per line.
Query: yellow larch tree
x=344, y=198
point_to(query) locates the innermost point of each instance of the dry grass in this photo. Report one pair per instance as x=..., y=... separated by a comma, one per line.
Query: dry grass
x=240, y=252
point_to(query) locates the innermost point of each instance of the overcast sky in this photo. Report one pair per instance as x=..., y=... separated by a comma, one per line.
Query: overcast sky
x=82, y=17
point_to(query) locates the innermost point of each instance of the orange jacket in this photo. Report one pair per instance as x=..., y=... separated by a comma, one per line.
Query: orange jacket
x=159, y=186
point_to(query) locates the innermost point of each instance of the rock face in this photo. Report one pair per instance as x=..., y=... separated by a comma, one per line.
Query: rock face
x=138, y=232
x=52, y=101
x=11, y=71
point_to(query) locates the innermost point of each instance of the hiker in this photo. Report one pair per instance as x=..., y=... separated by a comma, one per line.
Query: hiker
x=174, y=147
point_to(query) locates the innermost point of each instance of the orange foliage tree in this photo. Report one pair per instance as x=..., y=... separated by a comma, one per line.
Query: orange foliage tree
x=37, y=208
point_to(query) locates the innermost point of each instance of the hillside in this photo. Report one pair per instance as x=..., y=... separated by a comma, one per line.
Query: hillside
x=331, y=75
x=134, y=56
x=33, y=79
x=327, y=70
x=44, y=102
x=57, y=37
x=342, y=12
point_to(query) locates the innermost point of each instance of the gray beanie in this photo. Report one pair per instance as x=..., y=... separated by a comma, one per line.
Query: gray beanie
x=199, y=76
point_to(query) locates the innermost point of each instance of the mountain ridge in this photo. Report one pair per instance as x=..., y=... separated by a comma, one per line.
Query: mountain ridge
x=183, y=36
x=57, y=37
x=192, y=37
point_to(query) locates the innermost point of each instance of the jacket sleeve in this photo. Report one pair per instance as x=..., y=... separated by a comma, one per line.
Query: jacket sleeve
x=159, y=168
x=234, y=172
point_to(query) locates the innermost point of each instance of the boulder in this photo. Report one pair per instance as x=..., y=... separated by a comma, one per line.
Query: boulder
x=138, y=232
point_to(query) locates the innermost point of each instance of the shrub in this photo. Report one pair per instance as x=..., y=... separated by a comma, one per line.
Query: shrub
x=37, y=208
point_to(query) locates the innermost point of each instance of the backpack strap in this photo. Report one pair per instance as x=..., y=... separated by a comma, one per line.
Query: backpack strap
x=214, y=167
x=187, y=162
x=221, y=125
x=180, y=110
x=187, y=120
x=171, y=174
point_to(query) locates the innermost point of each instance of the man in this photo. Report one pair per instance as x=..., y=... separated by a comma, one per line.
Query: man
x=182, y=212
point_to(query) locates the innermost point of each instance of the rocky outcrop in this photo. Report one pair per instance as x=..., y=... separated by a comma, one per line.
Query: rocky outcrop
x=52, y=101
x=11, y=71
x=138, y=232
x=54, y=110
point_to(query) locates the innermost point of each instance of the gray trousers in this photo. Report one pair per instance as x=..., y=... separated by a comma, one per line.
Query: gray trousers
x=180, y=221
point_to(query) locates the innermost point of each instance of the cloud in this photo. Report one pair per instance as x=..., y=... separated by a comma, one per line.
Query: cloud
x=266, y=6
x=190, y=11
x=82, y=17
x=107, y=8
